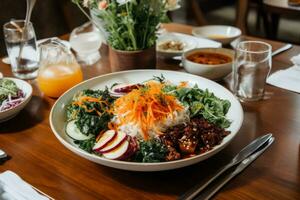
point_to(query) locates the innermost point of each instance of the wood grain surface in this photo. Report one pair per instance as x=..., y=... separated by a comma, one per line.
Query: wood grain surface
x=39, y=158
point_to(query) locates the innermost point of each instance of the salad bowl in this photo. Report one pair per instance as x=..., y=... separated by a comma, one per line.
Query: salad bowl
x=58, y=116
x=14, y=110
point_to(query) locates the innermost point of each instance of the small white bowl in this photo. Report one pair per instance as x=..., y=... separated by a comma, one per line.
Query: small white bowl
x=188, y=42
x=214, y=72
x=27, y=89
x=220, y=33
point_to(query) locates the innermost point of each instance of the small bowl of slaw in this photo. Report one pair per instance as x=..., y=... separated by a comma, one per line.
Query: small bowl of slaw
x=11, y=103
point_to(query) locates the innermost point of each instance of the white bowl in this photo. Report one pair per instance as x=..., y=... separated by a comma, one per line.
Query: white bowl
x=58, y=116
x=27, y=89
x=189, y=42
x=214, y=72
x=220, y=33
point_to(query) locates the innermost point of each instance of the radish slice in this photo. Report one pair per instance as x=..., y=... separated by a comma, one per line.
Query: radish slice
x=105, y=139
x=117, y=141
x=123, y=89
x=117, y=152
x=74, y=133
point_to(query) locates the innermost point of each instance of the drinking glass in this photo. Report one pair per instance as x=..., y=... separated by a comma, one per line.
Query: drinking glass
x=251, y=68
x=21, y=48
x=86, y=41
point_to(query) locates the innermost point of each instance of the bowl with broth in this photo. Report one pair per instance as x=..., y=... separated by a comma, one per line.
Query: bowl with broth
x=220, y=33
x=211, y=63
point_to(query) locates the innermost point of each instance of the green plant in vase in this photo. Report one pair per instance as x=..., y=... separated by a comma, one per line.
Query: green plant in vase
x=131, y=24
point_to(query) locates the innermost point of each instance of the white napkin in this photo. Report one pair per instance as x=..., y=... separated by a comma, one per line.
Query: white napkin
x=12, y=187
x=288, y=79
x=296, y=60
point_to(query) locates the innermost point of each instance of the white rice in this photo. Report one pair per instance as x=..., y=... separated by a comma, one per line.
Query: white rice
x=135, y=130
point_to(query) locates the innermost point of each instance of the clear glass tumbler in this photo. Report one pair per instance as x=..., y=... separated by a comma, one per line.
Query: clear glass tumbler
x=251, y=68
x=21, y=48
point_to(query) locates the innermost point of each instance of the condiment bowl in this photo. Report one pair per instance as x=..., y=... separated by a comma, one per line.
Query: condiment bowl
x=220, y=33
x=210, y=71
x=27, y=89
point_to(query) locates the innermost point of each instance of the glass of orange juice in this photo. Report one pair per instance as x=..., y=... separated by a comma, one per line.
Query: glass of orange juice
x=59, y=70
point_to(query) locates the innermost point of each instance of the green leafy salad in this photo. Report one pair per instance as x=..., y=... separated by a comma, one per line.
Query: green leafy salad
x=10, y=94
x=153, y=121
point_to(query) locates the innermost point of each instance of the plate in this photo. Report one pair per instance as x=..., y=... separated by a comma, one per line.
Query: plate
x=58, y=116
x=189, y=42
x=27, y=89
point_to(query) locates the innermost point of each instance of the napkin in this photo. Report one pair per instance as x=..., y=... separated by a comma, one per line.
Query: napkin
x=12, y=187
x=288, y=79
x=296, y=60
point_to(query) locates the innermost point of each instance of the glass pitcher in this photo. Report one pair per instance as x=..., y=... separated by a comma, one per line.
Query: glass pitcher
x=58, y=69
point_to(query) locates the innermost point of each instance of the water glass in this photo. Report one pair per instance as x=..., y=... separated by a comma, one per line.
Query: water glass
x=21, y=48
x=251, y=68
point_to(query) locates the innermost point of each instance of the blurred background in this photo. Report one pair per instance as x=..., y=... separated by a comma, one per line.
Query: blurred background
x=272, y=19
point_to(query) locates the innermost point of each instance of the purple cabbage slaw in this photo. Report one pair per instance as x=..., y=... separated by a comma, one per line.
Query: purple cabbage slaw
x=12, y=102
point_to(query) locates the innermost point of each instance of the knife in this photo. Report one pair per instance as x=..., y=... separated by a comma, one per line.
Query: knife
x=282, y=49
x=244, y=153
x=245, y=163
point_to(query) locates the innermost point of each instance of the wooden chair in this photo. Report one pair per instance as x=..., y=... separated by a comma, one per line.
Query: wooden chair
x=242, y=9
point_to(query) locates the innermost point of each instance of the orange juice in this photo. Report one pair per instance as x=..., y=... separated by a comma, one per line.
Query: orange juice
x=55, y=79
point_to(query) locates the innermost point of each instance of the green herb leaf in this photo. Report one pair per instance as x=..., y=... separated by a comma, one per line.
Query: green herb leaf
x=151, y=151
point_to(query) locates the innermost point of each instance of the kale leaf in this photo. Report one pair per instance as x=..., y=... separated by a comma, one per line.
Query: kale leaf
x=91, y=117
x=86, y=145
x=151, y=151
x=92, y=124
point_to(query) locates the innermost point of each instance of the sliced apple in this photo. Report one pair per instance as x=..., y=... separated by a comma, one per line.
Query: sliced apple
x=132, y=149
x=118, y=152
x=105, y=139
x=117, y=141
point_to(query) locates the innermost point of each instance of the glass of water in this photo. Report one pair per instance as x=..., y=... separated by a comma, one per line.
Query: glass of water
x=21, y=48
x=251, y=68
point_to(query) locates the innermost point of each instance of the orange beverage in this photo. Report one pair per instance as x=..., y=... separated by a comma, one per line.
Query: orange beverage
x=55, y=79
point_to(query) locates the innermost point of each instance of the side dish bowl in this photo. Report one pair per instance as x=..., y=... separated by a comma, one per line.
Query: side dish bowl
x=27, y=90
x=210, y=71
x=220, y=33
x=58, y=116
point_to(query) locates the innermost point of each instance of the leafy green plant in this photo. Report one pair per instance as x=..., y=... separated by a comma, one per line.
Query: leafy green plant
x=131, y=24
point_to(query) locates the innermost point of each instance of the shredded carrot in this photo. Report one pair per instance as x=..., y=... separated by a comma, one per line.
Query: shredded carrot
x=146, y=106
x=81, y=99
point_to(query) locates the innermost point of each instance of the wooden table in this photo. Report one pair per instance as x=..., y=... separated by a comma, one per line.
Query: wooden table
x=39, y=158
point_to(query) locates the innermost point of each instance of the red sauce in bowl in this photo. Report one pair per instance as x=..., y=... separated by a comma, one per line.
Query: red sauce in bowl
x=209, y=58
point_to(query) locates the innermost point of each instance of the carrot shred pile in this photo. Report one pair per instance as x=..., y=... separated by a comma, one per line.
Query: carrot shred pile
x=146, y=107
x=81, y=103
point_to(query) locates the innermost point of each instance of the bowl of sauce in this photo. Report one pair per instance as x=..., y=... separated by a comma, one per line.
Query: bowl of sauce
x=211, y=63
x=220, y=33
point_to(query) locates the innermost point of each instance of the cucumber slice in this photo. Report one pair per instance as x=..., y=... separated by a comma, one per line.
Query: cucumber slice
x=74, y=133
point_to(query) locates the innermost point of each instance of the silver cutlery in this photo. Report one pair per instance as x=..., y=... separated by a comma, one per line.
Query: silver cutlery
x=246, y=162
x=243, y=154
x=29, y=8
x=282, y=49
